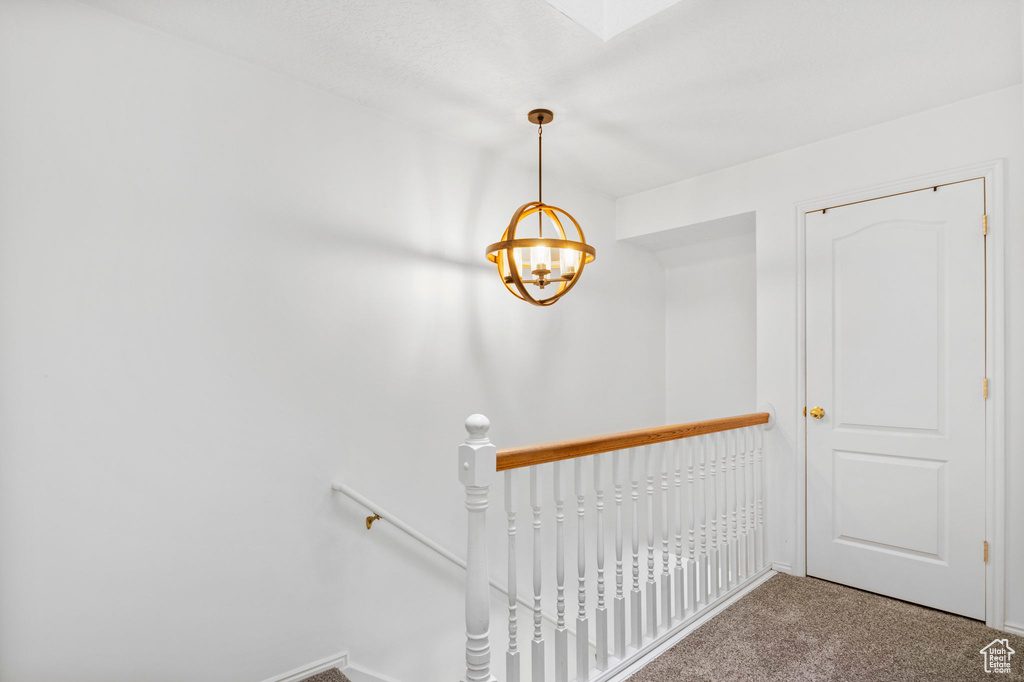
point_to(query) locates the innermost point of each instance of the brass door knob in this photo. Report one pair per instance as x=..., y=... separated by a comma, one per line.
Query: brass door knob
x=817, y=412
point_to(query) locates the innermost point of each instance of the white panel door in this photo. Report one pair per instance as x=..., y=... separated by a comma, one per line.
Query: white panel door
x=896, y=360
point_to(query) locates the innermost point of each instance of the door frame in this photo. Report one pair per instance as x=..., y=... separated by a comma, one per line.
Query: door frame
x=995, y=352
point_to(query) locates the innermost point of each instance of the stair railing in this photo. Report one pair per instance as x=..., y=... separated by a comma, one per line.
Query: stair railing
x=379, y=512
x=719, y=511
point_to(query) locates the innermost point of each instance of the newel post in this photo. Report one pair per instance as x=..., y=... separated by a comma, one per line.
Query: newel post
x=477, y=470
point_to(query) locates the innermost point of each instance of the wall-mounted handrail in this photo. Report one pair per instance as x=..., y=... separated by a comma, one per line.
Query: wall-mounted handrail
x=405, y=528
x=515, y=458
x=425, y=541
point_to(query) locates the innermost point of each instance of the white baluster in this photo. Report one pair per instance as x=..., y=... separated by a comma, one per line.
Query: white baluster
x=635, y=605
x=723, y=506
x=652, y=586
x=601, y=612
x=537, y=645
x=477, y=470
x=691, y=562
x=703, y=583
x=512, y=655
x=561, y=633
x=582, y=624
x=666, y=580
x=759, y=453
x=714, y=563
x=741, y=501
x=734, y=542
x=680, y=601
x=751, y=552
x=619, y=611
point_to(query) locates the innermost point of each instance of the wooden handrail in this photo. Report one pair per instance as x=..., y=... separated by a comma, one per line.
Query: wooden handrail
x=515, y=458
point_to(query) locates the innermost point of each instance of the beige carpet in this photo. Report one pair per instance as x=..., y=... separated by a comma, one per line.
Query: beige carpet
x=332, y=675
x=791, y=629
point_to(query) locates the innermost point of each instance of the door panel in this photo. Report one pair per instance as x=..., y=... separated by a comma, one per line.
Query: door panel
x=872, y=491
x=888, y=285
x=895, y=356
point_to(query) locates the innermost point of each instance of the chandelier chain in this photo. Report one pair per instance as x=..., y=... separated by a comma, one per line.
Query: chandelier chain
x=540, y=173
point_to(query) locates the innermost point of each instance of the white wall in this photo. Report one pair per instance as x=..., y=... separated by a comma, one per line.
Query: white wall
x=710, y=329
x=219, y=290
x=972, y=131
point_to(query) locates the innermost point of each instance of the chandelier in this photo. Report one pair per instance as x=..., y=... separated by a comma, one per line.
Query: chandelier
x=550, y=264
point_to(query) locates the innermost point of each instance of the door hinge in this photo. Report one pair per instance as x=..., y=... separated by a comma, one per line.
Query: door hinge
x=986, y=551
x=984, y=388
x=984, y=225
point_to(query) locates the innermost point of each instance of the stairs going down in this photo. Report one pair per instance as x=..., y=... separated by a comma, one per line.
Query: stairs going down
x=329, y=675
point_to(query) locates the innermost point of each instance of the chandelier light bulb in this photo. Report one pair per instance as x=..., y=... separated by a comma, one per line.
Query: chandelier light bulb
x=542, y=257
x=568, y=261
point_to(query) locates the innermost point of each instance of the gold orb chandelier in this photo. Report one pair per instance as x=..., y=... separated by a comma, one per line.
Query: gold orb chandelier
x=541, y=262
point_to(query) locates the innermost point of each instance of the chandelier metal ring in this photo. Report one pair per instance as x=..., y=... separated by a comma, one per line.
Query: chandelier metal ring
x=510, y=263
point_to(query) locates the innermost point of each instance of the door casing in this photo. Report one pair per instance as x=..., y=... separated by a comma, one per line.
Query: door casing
x=995, y=350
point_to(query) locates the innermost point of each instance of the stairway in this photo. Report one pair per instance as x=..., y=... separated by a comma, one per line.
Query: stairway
x=330, y=675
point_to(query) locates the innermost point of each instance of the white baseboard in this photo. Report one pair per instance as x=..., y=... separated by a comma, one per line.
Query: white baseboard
x=782, y=567
x=360, y=674
x=339, y=661
x=1013, y=629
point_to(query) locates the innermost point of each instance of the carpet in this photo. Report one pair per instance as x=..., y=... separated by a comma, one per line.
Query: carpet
x=331, y=675
x=804, y=629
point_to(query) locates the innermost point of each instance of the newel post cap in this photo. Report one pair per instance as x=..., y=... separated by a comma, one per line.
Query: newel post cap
x=477, y=426
x=478, y=458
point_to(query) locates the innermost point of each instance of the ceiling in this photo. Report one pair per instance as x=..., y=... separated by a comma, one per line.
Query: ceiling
x=698, y=86
x=608, y=18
